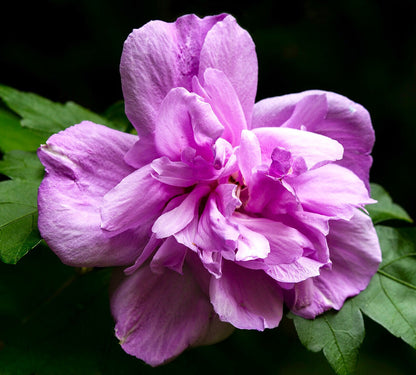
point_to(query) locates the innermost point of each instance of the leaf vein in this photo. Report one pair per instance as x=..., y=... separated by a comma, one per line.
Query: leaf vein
x=400, y=281
x=17, y=219
x=395, y=306
x=336, y=341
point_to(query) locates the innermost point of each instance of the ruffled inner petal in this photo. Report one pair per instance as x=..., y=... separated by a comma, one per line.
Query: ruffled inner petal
x=225, y=104
x=186, y=121
x=313, y=148
x=175, y=220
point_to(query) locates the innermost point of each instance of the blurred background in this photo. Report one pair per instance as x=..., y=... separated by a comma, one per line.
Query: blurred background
x=364, y=49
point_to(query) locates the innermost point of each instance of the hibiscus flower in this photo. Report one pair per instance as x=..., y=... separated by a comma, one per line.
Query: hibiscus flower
x=219, y=211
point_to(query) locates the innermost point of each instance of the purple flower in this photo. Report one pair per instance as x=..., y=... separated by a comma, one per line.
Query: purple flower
x=220, y=210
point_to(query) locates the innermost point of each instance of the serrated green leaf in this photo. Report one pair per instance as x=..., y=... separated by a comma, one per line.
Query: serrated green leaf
x=46, y=117
x=14, y=137
x=22, y=165
x=18, y=219
x=385, y=209
x=338, y=334
x=390, y=298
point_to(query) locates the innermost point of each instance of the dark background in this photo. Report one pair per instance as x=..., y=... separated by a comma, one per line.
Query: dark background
x=366, y=50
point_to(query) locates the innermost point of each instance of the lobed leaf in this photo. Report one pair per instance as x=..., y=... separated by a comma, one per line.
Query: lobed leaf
x=46, y=117
x=338, y=334
x=385, y=209
x=390, y=299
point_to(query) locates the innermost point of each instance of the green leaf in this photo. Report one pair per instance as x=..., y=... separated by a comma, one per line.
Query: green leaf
x=116, y=114
x=390, y=299
x=23, y=165
x=338, y=334
x=46, y=117
x=13, y=136
x=18, y=219
x=385, y=209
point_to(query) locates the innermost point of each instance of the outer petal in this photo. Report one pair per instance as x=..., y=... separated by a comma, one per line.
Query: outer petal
x=245, y=298
x=229, y=48
x=137, y=199
x=347, y=122
x=82, y=164
x=160, y=315
x=156, y=58
x=355, y=254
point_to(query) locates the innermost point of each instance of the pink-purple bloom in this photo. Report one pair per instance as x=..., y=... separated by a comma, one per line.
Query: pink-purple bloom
x=220, y=210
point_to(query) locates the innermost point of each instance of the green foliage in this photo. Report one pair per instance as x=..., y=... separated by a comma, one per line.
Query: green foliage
x=385, y=209
x=13, y=136
x=390, y=299
x=115, y=113
x=338, y=334
x=18, y=219
x=23, y=165
x=45, y=117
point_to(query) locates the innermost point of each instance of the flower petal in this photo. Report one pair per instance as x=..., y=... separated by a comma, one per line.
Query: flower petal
x=286, y=243
x=331, y=190
x=82, y=164
x=347, y=122
x=315, y=149
x=186, y=121
x=225, y=104
x=173, y=221
x=142, y=153
x=248, y=155
x=355, y=254
x=178, y=173
x=216, y=232
x=156, y=58
x=248, y=299
x=229, y=48
x=158, y=316
x=170, y=255
x=121, y=211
